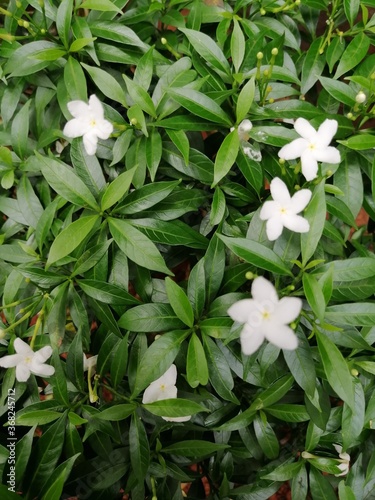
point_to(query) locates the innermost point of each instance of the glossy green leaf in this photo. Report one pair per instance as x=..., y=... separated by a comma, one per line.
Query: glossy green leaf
x=106, y=83
x=314, y=295
x=315, y=213
x=355, y=52
x=179, y=302
x=174, y=408
x=194, y=448
x=196, y=363
x=139, y=448
x=313, y=66
x=117, y=189
x=226, y=156
x=245, y=99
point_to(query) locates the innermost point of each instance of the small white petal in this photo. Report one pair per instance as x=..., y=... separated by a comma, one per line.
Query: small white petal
x=268, y=210
x=11, y=360
x=42, y=370
x=344, y=468
x=279, y=191
x=304, y=129
x=78, y=108
x=22, y=372
x=296, y=223
x=177, y=419
x=328, y=155
x=294, y=149
x=345, y=456
x=338, y=448
x=96, y=107
x=326, y=132
x=309, y=165
x=274, y=228
x=245, y=126
x=43, y=354
x=74, y=128
x=241, y=310
x=287, y=310
x=280, y=335
x=250, y=340
x=22, y=347
x=103, y=129
x=300, y=200
x=264, y=292
x=90, y=142
x=170, y=376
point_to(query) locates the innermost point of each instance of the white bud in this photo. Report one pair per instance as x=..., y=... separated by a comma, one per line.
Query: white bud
x=245, y=126
x=360, y=97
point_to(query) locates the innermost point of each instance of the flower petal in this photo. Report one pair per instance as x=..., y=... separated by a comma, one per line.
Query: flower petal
x=22, y=372
x=294, y=149
x=96, y=107
x=338, y=448
x=274, y=228
x=22, y=347
x=328, y=155
x=250, y=340
x=296, y=223
x=280, y=335
x=300, y=200
x=74, y=128
x=43, y=354
x=304, y=129
x=263, y=291
x=11, y=360
x=78, y=109
x=103, y=129
x=42, y=370
x=279, y=191
x=268, y=210
x=177, y=419
x=309, y=165
x=90, y=142
x=170, y=376
x=326, y=132
x=241, y=310
x=287, y=310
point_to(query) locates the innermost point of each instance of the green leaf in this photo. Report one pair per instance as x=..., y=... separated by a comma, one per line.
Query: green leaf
x=157, y=359
x=78, y=44
x=336, y=369
x=196, y=363
x=20, y=131
x=353, y=421
x=137, y=246
x=70, y=238
x=23, y=451
x=315, y=213
x=196, y=290
x=74, y=363
x=53, y=488
x=354, y=53
x=117, y=32
x=106, y=352
x=117, y=189
x=313, y=66
x=120, y=362
x=334, y=52
x=74, y=79
x=180, y=140
x=226, y=156
x=140, y=96
x=214, y=265
x=66, y=183
x=351, y=8
x=200, y=105
x=138, y=448
x=199, y=167
x=360, y=314
x=301, y=365
x=266, y=437
x=179, y=302
x=289, y=412
x=194, y=448
x=28, y=202
x=45, y=457
x=102, y=5
x=150, y=318
x=116, y=413
x=24, y=60
x=106, y=83
x=359, y=142
x=245, y=100
x=208, y=50
x=153, y=152
x=218, y=207
x=63, y=21
x=320, y=486
x=237, y=45
x=174, y=408
x=314, y=295
x=339, y=90
x=107, y=293
x=284, y=472
x=256, y=254
x=87, y=167
x=58, y=381
x=274, y=393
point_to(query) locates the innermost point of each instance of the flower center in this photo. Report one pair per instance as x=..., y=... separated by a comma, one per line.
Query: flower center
x=283, y=211
x=93, y=122
x=28, y=360
x=162, y=387
x=312, y=146
x=266, y=315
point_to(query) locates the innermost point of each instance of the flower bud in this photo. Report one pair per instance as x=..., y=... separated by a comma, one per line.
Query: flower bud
x=249, y=275
x=164, y=41
x=133, y=121
x=266, y=73
x=271, y=101
x=354, y=372
x=274, y=51
x=361, y=97
x=245, y=126
x=260, y=55
x=350, y=116
x=2, y=333
x=263, y=12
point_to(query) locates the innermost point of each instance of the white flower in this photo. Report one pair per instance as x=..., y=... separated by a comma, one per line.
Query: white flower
x=282, y=210
x=312, y=146
x=27, y=361
x=164, y=388
x=243, y=130
x=360, y=98
x=345, y=461
x=266, y=317
x=89, y=364
x=88, y=122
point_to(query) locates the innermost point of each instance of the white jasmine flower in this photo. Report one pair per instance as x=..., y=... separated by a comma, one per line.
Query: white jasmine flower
x=283, y=209
x=164, y=388
x=265, y=317
x=27, y=361
x=89, y=364
x=312, y=146
x=88, y=122
x=345, y=461
x=360, y=98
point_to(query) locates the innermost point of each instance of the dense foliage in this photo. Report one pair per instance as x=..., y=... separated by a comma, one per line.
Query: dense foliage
x=134, y=223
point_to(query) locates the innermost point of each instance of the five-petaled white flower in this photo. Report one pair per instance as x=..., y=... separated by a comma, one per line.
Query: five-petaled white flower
x=345, y=461
x=27, y=361
x=88, y=122
x=312, y=146
x=266, y=317
x=283, y=209
x=164, y=388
